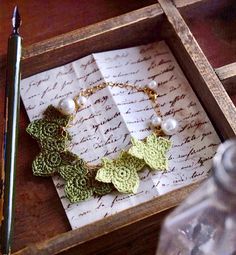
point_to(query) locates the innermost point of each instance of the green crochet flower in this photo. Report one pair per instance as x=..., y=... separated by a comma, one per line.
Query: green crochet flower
x=99, y=188
x=153, y=151
x=122, y=172
x=52, y=126
x=69, y=172
x=81, y=183
x=51, y=144
x=53, y=140
x=47, y=163
x=43, y=129
x=52, y=114
x=77, y=189
x=55, y=157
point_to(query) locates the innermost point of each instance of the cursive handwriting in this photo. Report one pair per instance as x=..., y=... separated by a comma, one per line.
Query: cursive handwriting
x=112, y=115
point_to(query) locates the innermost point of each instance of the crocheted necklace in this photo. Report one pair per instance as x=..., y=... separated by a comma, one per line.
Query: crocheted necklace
x=82, y=180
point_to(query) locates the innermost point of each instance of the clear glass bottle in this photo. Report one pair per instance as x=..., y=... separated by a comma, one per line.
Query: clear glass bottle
x=205, y=224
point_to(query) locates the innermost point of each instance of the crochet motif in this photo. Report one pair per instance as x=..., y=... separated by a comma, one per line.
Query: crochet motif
x=49, y=127
x=52, y=114
x=68, y=172
x=153, y=151
x=54, y=157
x=53, y=140
x=122, y=172
x=83, y=182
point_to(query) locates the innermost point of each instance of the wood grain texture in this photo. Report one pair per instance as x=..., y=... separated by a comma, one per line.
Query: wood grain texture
x=213, y=24
x=203, y=78
x=45, y=19
x=227, y=75
x=183, y=3
x=119, y=227
x=39, y=214
x=137, y=27
x=101, y=36
x=92, y=31
x=63, y=16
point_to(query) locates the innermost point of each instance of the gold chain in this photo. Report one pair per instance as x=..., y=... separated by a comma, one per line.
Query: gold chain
x=152, y=95
x=146, y=90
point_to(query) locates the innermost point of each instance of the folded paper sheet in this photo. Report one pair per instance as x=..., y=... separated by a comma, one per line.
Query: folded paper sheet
x=113, y=115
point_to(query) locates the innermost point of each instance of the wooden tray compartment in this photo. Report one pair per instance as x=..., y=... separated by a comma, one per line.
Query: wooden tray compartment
x=213, y=25
x=39, y=214
x=217, y=37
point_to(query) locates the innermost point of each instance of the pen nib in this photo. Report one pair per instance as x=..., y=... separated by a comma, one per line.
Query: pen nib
x=16, y=20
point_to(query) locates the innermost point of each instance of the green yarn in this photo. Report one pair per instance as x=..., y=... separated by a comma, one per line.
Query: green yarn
x=99, y=188
x=83, y=182
x=49, y=162
x=51, y=126
x=52, y=114
x=54, y=157
x=52, y=144
x=153, y=151
x=53, y=141
x=68, y=172
x=77, y=189
x=121, y=172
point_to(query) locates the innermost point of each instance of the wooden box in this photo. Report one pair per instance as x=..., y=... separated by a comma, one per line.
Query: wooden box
x=41, y=226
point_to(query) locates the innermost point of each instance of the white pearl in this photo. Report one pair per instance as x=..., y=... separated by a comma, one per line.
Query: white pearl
x=156, y=121
x=169, y=126
x=152, y=84
x=67, y=106
x=81, y=100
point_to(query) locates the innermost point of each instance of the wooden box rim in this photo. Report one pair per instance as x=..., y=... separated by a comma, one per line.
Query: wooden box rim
x=164, y=10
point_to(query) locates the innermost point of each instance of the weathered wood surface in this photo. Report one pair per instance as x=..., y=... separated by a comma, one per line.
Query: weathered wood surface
x=215, y=35
x=119, y=227
x=227, y=74
x=45, y=19
x=183, y=3
x=213, y=25
x=39, y=214
x=202, y=76
x=63, y=16
x=137, y=26
x=105, y=35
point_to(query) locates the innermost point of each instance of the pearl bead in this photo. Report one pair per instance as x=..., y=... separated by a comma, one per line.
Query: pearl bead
x=156, y=121
x=67, y=106
x=81, y=100
x=152, y=84
x=169, y=126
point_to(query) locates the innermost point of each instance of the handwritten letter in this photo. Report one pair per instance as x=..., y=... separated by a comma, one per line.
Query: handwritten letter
x=113, y=115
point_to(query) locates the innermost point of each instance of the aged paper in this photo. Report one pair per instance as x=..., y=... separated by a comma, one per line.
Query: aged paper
x=113, y=115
